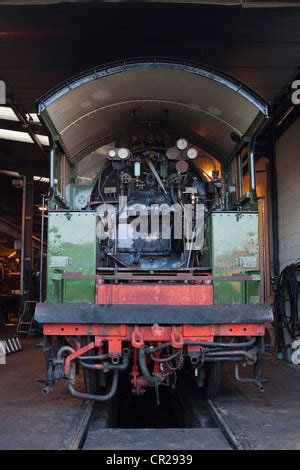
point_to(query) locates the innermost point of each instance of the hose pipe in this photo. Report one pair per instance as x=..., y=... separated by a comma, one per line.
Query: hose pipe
x=64, y=349
x=151, y=379
x=91, y=396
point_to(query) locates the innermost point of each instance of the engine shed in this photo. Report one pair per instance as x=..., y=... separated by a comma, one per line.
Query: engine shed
x=149, y=225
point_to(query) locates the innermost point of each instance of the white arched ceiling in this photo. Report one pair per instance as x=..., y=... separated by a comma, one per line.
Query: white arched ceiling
x=190, y=100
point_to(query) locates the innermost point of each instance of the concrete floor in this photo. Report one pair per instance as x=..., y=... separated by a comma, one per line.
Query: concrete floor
x=30, y=420
x=269, y=420
x=162, y=439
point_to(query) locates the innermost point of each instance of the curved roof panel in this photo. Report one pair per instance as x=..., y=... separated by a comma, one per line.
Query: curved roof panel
x=190, y=100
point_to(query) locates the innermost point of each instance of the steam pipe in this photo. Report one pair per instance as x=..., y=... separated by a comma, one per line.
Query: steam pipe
x=91, y=396
x=223, y=345
x=119, y=367
x=246, y=344
x=92, y=366
x=42, y=250
x=165, y=359
x=254, y=381
x=105, y=366
x=51, y=153
x=251, y=156
x=52, y=157
x=252, y=166
x=246, y=354
x=264, y=249
x=152, y=349
x=264, y=242
x=101, y=357
x=64, y=349
x=274, y=207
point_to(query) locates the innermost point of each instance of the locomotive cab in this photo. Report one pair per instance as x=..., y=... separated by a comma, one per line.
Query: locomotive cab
x=153, y=263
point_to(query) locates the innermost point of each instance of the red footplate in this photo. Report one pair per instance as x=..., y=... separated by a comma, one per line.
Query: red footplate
x=154, y=294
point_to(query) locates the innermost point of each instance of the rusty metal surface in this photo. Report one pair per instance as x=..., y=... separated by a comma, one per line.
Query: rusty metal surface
x=154, y=332
x=157, y=294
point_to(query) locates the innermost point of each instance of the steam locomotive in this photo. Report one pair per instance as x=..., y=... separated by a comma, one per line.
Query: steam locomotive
x=153, y=268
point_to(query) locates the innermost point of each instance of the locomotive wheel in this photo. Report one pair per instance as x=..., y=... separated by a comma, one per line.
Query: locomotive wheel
x=213, y=379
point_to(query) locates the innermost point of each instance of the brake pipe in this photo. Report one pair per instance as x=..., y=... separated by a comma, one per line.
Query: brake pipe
x=151, y=379
x=165, y=359
x=152, y=349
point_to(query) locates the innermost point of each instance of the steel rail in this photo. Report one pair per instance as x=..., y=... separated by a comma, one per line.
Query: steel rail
x=80, y=430
x=225, y=423
x=230, y=428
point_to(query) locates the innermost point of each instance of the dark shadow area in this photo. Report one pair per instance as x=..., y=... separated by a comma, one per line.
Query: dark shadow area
x=143, y=411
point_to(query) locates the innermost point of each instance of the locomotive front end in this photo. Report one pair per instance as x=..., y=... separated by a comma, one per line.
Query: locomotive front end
x=153, y=237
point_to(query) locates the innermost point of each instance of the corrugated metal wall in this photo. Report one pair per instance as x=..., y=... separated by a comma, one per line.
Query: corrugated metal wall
x=288, y=181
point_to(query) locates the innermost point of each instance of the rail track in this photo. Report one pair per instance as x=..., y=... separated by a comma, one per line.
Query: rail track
x=203, y=425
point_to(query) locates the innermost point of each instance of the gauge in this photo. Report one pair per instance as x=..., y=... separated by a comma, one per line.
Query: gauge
x=192, y=153
x=173, y=153
x=112, y=153
x=123, y=153
x=181, y=144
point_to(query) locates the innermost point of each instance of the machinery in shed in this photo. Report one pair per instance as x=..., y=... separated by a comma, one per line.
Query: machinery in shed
x=153, y=238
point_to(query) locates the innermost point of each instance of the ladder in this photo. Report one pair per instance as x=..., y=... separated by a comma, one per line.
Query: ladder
x=26, y=324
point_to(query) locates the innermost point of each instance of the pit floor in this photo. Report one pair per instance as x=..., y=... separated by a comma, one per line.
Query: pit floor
x=30, y=420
